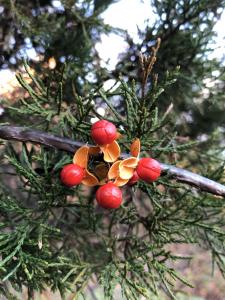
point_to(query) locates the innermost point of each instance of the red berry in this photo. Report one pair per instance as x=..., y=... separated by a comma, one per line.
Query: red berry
x=103, y=132
x=134, y=178
x=71, y=175
x=148, y=169
x=109, y=196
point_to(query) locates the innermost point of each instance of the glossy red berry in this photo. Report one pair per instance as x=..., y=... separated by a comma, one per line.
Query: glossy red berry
x=109, y=196
x=103, y=132
x=71, y=175
x=133, y=179
x=148, y=169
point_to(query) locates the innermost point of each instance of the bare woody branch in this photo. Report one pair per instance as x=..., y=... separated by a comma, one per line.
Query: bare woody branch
x=28, y=135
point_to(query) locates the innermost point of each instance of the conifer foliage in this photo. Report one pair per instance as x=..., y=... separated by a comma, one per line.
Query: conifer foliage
x=58, y=237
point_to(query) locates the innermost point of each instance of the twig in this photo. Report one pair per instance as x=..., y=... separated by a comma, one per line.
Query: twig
x=39, y=137
x=28, y=135
x=198, y=181
x=147, y=63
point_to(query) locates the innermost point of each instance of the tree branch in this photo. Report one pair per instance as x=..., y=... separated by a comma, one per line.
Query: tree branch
x=28, y=135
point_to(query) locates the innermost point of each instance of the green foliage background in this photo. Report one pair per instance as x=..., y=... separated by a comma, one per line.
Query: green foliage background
x=56, y=237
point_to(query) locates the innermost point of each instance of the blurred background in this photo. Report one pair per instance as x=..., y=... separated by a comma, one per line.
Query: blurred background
x=95, y=42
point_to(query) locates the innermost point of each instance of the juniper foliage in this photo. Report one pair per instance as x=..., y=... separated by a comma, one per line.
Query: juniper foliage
x=66, y=33
x=187, y=31
x=56, y=237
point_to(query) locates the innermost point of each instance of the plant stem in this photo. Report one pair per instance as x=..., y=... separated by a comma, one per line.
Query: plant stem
x=38, y=137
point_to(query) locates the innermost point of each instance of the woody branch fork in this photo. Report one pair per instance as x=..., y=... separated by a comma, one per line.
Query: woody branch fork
x=38, y=137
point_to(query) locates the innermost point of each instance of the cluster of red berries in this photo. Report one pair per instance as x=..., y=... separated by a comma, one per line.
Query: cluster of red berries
x=109, y=195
